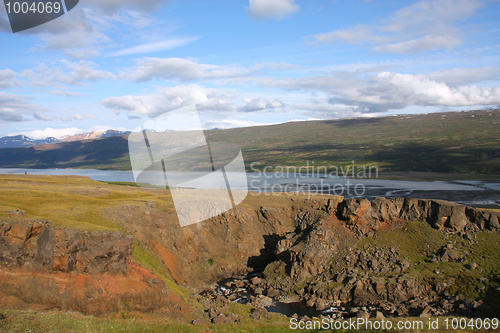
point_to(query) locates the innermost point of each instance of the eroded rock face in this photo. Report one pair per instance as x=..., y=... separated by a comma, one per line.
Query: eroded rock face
x=251, y=236
x=320, y=257
x=37, y=245
x=234, y=243
x=365, y=216
x=297, y=239
x=96, y=294
x=83, y=271
x=483, y=219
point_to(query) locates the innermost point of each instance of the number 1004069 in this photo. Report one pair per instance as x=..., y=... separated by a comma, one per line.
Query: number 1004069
x=473, y=324
x=34, y=7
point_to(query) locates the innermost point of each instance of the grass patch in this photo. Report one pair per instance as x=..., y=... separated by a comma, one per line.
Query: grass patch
x=149, y=260
x=134, y=184
x=54, y=321
x=69, y=202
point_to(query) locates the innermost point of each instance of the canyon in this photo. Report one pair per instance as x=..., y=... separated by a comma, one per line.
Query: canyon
x=399, y=256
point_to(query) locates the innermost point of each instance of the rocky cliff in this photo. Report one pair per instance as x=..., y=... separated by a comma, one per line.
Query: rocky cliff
x=46, y=268
x=249, y=237
x=371, y=216
x=322, y=263
x=308, y=249
x=37, y=245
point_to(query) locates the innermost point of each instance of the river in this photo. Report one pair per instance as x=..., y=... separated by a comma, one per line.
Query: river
x=474, y=193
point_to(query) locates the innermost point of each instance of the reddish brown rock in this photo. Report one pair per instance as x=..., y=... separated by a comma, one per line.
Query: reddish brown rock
x=38, y=245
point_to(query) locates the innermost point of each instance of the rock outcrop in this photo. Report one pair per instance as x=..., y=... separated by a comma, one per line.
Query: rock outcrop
x=245, y=239
x=296, y=241
x=90, y=272
x=365, y=216
x=319, y=261
x=37, y=245
x=234, y=243
x=96, y=294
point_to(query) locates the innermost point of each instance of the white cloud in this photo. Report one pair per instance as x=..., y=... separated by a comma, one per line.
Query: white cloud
x=82, y=53
x=7, y=115
x=396, y=91
x=82, y=32
x=49, y=132
x=168, y=44
x=260, y=104
x=65, y=72
x=171, y=98
x=41, y=116
x=84, y=71
x=8, y=78
x=462, y=76
x=77, y=117
x=422, y=26
x=15, y=107
x=76, y=29
x=271, y=9
x=179, y=68
x=206, y=99
x=383, y=91
x=419, y=44
x=356, y=35
x=64, y=93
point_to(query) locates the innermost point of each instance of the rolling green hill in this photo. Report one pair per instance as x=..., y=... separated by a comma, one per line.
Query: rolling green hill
x=452, y=142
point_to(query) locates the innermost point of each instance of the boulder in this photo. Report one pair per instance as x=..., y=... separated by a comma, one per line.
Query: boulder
x=443, y=214
x=362, y=314
x=377, y=315
x=260, y=314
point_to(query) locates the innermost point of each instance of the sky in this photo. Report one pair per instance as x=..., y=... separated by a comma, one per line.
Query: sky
x=114, y=64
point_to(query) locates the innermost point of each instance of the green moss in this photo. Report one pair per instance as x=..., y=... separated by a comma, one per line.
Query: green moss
x=149, y=260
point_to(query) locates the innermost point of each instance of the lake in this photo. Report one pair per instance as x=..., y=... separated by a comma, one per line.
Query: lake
x=474, y=193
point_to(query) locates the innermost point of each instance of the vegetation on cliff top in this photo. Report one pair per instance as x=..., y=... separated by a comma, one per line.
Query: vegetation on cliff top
x=69, y=202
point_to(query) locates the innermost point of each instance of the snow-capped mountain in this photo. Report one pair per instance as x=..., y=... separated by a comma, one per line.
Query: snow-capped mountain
x=18, y=141
x=23, y=141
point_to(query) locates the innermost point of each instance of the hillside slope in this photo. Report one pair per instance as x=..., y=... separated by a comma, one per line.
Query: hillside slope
x=453, y=142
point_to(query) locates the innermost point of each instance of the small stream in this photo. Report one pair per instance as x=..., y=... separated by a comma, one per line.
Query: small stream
x=241, y=290
x=289, y=309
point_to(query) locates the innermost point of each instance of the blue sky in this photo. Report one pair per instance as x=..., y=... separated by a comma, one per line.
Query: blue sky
x=116, y=63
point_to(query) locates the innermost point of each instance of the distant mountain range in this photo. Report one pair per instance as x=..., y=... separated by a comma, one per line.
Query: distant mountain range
x=19, y=141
